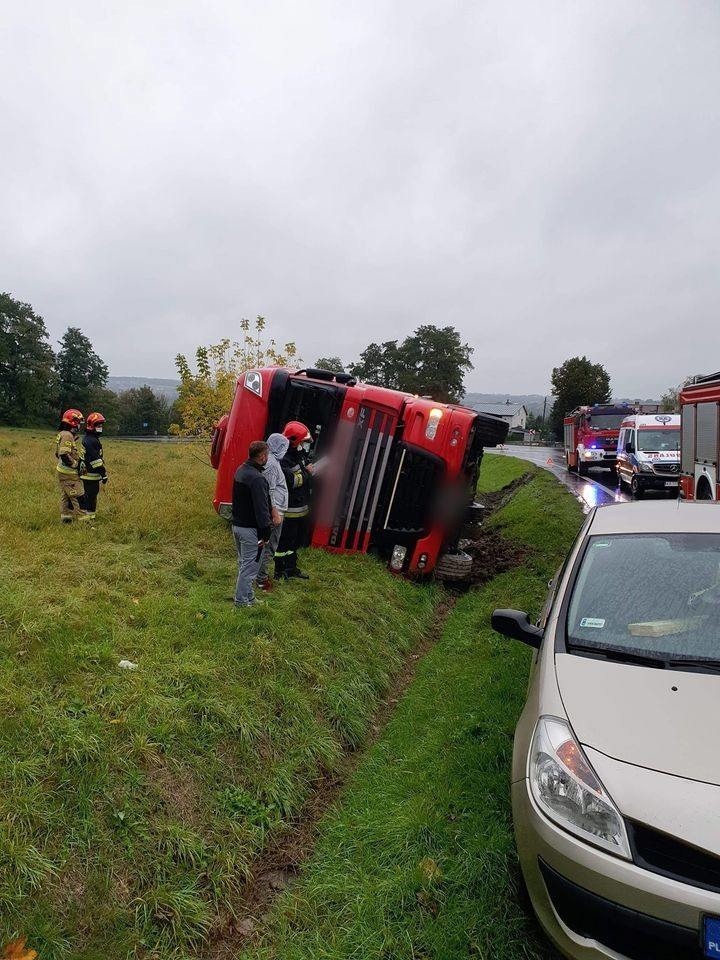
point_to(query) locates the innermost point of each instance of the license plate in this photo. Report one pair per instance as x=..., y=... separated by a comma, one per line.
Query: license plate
x=671, y=483
x=711, y=937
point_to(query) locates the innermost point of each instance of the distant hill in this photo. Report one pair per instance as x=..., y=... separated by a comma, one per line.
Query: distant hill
x=533, y=401
x=167, y=388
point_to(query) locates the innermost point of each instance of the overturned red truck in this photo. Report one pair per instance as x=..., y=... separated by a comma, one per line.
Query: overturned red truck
x=399, y=471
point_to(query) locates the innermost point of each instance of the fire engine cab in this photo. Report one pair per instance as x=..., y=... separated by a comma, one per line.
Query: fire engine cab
x=399, y=472
x=699, y=420
x=591, y=435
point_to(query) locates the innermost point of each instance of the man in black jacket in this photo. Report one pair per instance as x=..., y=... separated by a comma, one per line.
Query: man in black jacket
x=94, y=472
x=251, y=520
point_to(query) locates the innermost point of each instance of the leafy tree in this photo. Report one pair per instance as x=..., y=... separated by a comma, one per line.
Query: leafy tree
x=142, y=412
x=106, y=402
x=80, y=370
x=432, y=362
x=379, y=363
x=26, y=365
x=330, y=363
x=205, y=395
x=575, y=383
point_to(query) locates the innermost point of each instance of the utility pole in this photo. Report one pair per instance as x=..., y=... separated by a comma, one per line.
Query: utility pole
x=542, y=425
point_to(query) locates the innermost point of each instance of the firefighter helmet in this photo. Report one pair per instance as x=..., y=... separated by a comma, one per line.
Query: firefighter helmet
x=296, y=433
x=73, y=418
x=94, y=420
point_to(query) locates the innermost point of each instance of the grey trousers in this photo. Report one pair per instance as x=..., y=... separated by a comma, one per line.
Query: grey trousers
x=268, y=553
x=246, y=541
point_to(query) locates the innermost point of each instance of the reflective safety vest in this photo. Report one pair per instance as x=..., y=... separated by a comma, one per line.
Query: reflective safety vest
x=66, y=444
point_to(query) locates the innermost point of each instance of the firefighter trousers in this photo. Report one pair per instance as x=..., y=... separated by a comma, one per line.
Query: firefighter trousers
x=71, y=491
x=89, y=499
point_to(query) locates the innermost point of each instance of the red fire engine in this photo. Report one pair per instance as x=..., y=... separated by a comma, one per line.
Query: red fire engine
x=399, y=471
x=591, y=435
x=699, y=438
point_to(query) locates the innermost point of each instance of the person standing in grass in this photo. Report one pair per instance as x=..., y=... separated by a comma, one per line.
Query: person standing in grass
x=251, y=520
x=277, y=448
x=69, y=457
x=94, y=473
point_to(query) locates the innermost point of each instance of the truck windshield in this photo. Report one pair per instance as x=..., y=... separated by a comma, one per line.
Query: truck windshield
x=605, y=421
x=655, y=596
x=658, y=440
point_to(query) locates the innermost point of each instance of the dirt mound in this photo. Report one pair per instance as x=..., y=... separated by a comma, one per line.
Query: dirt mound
x=493, y=554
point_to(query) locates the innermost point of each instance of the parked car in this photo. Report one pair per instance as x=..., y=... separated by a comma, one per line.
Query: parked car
x=616, y=766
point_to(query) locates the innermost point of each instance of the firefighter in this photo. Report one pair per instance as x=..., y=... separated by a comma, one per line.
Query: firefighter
x=94, y=473
x=295, y=524
x=69, y=456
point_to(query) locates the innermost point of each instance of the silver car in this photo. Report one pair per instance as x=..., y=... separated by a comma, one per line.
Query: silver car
x=616, y=767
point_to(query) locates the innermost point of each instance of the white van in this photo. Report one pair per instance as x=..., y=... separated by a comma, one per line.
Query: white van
x=648, y=456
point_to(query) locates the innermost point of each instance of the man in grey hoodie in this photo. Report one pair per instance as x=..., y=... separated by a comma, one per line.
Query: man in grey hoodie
x=278, y=446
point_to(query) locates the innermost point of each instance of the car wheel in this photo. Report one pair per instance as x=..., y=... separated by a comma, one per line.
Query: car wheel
x=636, y=487
x=454, y=566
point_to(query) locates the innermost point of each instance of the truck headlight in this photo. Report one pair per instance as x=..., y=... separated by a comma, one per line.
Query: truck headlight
x=398, y=557
x=645, y=468
x=568, y=791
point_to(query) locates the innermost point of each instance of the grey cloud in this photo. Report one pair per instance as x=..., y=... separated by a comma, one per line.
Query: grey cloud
x=543, y=176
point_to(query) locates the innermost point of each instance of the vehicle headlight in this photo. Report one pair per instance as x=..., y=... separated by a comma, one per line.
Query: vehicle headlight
x=568, y=791
x=645, y=467
x=398, y=557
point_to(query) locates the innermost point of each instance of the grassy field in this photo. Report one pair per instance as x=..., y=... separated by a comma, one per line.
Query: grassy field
x=133, y=803
x=418, y=862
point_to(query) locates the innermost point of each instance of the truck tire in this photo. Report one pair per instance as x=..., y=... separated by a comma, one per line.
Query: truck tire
x=582, y=469
x=455, y=566
x=704, y=491
x=636, y=487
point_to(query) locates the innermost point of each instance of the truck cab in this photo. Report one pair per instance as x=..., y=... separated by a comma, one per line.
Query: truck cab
x=591, y=435
x=648, y=453
x=399, y=471
x=700, y=420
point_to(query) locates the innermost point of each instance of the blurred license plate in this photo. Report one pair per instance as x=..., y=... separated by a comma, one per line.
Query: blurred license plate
x=671, y=483
x=711, y=937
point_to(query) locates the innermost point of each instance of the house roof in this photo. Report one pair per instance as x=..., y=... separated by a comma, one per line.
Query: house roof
x=500, y=409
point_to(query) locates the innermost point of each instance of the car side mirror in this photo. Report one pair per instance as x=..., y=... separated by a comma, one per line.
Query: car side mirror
x=629, y=448
x=515, y=624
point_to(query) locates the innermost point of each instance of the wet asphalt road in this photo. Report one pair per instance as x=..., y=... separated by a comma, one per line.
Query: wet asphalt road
x=597, y=489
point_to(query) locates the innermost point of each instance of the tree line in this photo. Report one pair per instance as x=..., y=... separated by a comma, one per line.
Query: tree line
x=37, y=383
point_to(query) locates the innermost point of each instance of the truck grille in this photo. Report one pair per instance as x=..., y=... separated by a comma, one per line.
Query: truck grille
x=362, y=483
x=666, y=469
x=415, y=484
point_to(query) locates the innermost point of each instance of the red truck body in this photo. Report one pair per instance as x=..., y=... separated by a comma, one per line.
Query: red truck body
x=395, y=466
x=699, y=438
x=591, y=435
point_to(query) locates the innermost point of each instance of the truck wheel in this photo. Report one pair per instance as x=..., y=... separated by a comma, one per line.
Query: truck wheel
x=582, y=469
x=703, y=491
x=455, y=566
x=636, y=487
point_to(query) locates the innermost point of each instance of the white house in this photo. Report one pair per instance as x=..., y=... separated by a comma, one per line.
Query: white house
x=514, y=414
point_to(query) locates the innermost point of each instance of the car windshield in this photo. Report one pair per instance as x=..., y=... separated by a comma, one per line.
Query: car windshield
x=658, y=440
x=656, y=595
x=606, y=422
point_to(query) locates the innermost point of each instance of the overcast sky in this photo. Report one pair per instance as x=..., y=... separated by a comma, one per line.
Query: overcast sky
x=543, y=175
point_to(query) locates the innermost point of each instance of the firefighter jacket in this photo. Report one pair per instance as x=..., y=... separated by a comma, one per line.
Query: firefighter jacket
x=299, y=484
x=68, y=453
x=94, y=463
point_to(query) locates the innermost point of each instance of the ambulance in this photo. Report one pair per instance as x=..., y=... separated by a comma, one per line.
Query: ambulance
x=648, y=454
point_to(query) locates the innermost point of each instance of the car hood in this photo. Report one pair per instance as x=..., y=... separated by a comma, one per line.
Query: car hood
x=662, y=720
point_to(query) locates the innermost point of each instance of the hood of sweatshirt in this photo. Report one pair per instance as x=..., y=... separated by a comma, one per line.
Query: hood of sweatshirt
x=278, y=445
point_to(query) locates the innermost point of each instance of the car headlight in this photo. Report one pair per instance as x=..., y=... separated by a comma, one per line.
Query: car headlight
x=568, y=791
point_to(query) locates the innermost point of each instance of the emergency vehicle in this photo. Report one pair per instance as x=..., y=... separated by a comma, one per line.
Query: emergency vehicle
x=699, y=401
x=591, y=435
x=648, y=453
x=399, y=472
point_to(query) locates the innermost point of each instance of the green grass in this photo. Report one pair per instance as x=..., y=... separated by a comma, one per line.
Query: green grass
x=418, y=859
x=132, y=803
x=498, y=471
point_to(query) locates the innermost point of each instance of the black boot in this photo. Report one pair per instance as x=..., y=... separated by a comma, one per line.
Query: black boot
x=281, y=568
x=293, y=571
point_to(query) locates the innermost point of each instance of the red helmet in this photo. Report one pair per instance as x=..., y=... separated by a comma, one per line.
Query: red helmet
x=296, y=433
x=73, y=418
x=94, y=420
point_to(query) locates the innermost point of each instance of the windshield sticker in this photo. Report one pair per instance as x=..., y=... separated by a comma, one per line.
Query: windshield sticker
x=592, y=622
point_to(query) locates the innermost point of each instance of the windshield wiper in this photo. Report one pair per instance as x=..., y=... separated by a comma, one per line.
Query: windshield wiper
x=621, y=656
x=711, y=665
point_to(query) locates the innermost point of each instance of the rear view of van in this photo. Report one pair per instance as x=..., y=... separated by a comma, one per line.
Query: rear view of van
x=648, y=456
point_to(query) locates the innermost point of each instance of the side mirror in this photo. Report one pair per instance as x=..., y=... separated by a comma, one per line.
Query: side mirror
x=629, y=448
x=515, y=624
